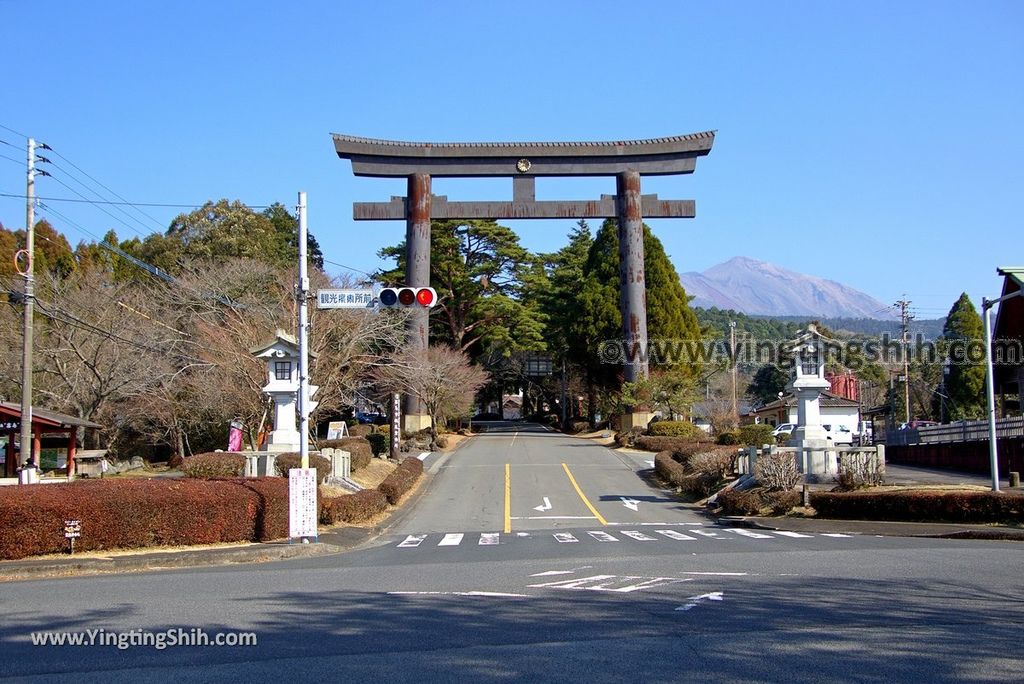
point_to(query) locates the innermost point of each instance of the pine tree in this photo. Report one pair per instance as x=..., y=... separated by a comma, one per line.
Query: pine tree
x=965, y=383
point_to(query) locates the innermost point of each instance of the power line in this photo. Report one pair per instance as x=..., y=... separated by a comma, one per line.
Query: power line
x=116, y=218
x=14, y=131
x=348, y=268
x=129, y=204
x=19, y=162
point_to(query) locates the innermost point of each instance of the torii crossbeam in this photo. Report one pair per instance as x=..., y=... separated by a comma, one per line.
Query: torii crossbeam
x=627, y=160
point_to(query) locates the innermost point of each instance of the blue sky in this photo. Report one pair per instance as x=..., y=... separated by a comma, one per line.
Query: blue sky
x=873, y=143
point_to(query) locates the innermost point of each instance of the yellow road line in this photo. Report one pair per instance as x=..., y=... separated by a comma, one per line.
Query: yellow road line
x=579, y=491
x=508, y=499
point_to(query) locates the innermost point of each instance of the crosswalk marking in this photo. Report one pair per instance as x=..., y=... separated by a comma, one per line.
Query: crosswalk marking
x=451, y=540
x=748, y=533
x=639, y=536
x=678, y=536
x=412, y=541
x=494, y=538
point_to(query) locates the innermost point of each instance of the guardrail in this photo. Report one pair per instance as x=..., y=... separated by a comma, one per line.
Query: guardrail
x=961, y=431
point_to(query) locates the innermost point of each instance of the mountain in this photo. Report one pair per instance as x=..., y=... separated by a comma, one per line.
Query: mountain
x=760, y=288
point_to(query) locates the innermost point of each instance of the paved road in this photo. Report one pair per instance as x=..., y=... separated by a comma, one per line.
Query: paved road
x=709, y=603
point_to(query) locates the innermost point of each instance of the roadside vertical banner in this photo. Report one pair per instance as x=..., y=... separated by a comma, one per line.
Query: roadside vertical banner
x=235, y=436
x=302, y=509
x=396, y=424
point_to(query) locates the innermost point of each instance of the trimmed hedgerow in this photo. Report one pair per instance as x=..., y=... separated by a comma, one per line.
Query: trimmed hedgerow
x=757, y=501
x=651, y=443
x=214, y=464
x=140, y=513
x=675, y=428
x=401, y=479
x=961, y=507
x=361, y=430
x=352, y=508
x=285, y=462
x=357, y=447
x=756, y=435
x=378, y=443
x=669, y=469
x=698, y=473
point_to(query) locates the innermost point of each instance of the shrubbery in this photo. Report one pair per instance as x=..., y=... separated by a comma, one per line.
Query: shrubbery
x=629, y=437
x=360, y=430
x=214, y=464
x=650, y=443
x=758, y=501
x=357, y=447
x=676, y=428
x=776, y=472
x=698, y=472
x=135, y=513
x=577, y=426
x=728, y=438
x=378, y=443
x=959, y=507
x=401, y=479
x=756, y=435
x=352, y=508
x=285, y=462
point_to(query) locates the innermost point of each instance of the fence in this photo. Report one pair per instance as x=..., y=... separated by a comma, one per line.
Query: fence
x=860, y=459
x=962, y=431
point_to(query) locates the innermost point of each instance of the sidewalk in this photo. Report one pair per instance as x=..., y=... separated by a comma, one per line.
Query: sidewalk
x=93, y=563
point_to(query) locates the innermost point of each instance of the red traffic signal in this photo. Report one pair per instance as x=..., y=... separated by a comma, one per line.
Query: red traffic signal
x=400, y=297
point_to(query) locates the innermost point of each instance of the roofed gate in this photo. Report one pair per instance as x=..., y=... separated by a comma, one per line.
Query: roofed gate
x=627, y=160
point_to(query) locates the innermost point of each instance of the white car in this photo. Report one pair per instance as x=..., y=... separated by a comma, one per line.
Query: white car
x=785, y=427
x=839, y=434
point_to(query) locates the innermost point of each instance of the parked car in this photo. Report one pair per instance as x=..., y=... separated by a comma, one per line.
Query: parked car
x=784, y=427
x=915, y=424
x=839, y=434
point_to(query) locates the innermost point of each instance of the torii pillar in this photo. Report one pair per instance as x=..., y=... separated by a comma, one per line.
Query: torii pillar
x=417, y=274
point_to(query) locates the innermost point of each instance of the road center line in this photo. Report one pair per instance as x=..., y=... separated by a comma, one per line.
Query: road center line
x=508, y=498
x=579, y=491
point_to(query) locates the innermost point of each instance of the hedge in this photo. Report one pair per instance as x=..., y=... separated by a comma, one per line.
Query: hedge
x=652, y=443
x=139, y=513
x=285, y=462
x=352, y=508
x=962, y=507
x=358, y=447
x=756, y=435
x=360, y=430
x=675, y=428
x=757, y=502
x=401, y=479
x=379, y=443
x=214, y=464
x=669, y=469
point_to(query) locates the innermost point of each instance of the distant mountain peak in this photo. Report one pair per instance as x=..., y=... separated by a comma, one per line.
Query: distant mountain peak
x=761, y=288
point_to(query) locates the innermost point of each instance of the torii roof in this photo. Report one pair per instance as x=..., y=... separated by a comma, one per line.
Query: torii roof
x=47, y=418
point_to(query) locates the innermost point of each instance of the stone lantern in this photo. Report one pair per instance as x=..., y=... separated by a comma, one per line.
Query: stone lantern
x=282, y=356
x=807, y=384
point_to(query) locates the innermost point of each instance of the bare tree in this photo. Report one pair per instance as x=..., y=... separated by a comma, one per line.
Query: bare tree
x=442, y=378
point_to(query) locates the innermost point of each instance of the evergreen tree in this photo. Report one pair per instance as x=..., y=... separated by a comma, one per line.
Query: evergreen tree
x=965, y=384
x=767, y=383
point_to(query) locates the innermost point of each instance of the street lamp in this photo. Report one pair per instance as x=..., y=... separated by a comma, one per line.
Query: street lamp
x=993, y=447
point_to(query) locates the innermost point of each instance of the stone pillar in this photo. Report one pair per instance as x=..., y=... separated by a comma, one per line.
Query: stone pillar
x=284, y=437
x=417, y=274
x=633, y=290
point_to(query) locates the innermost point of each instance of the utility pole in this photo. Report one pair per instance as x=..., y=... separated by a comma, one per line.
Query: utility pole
x=732, y=352
x=303, y=296
x=905, y=318
x=26, y=453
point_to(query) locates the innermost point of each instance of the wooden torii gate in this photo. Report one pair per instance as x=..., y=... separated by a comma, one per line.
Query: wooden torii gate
x=627, y=160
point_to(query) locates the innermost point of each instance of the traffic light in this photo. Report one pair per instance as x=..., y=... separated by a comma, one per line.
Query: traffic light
x=400, y=297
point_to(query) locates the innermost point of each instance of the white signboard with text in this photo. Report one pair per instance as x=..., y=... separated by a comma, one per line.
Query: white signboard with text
x=344, y=299
x=302, y=511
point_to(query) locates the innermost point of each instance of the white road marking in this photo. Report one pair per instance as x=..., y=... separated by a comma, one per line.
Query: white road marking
x=718, y=574
x=835, y=534
x=608, y=582
x=602, y=536
x=794, y=535
x=546, y=506
x=706, y=534
x=423, y=456
x=458, y=593
x=549, y=573
x=748, y=533
x=451, y=540
x=639, y=536
x=488, y=539
x=553, y=517
x=412, y=541
x=650, y=464
x=631, y=504
x=565, y=538
x=513, y=439
x=678, y=536
x=577, y=583
x=657, y=524
x=697, y=600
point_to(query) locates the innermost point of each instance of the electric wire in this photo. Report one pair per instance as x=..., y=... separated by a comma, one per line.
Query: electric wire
x=130, y=204
x=14, y=131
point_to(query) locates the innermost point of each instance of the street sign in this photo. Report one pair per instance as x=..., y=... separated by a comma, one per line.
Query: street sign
x=396, y=425
x=344, y=299
x=302, y=512
x=72, y=529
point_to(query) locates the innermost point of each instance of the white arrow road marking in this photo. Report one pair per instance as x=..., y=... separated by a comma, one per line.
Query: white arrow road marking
x=546, y=506
x=794, y=535
x=678, y=536
x=565, y=538
x=451, y=540
x=631, y=504
x=639, y=536
x=602, y=536
x=412, y=541
x=748, y=533
x=608, y=582
x=695, y=601
x=488, y=539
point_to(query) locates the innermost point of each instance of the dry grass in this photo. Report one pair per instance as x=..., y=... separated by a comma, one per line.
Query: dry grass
x=372, y=475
